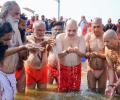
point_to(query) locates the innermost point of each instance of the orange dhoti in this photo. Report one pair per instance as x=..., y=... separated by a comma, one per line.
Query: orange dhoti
x=70, y=78
x=36, y=75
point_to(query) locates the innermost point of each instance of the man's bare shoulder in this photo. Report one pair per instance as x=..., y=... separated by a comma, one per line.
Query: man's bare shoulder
x=61, y=35
x=30, y=38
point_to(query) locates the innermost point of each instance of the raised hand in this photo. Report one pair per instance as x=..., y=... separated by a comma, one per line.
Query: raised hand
x=34, y=47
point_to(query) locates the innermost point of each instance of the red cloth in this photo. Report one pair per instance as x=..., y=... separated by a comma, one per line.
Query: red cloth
x=53, y=74
x=36, y=75
x=19, y=73
x=118, y=36
x=70, y=78
x=84, y=30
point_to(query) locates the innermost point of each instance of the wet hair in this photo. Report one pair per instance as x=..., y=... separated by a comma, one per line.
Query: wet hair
x=97, y=20
x=3, y=48
x=23, y=17
x=58, y=23
x=6, y=8
x=110, y=34
x=71, y=22
x=5, y=27
x=36, y=24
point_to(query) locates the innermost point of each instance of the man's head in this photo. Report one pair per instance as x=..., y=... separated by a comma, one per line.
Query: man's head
x=82, y=17
x=10, y=11
x=5, y=31
x=22, y=22
x=109, y=20
x=36, y=17
x=71, y=28
x=97, y=26
x=110, y=39
x=43, y=17
x=22, y=26
x=39, y=29
x=57, y=28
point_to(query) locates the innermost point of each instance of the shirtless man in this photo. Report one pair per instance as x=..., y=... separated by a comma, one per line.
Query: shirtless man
x=6, y=88
x=96, y=61
x=69, y=46
x=36, y=72
x=10, y=12
x=52, y=58
x=112, y=51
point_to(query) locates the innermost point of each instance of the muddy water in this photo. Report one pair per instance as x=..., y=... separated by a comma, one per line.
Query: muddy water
x=48, y=95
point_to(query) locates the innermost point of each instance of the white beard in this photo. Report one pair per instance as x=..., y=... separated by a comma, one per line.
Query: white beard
x=16, y=38
x=13, y=22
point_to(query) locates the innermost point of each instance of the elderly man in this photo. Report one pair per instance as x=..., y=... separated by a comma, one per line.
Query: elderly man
x=69, y=47
x=6, y=85
x=112, y=48
x=96, y=61
x=10, y=12
x=36, y=72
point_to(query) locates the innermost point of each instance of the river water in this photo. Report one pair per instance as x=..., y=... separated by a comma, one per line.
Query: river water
x=50, y=95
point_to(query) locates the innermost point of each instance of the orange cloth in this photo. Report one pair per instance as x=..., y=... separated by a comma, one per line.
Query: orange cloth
x=118, y=36
x=84, y=30
x=36, y=75
x=70, y=78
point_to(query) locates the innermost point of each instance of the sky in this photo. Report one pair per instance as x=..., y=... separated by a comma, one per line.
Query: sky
x=73, y=8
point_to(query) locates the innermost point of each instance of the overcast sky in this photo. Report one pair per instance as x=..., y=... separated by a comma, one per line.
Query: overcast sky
x=73, y=8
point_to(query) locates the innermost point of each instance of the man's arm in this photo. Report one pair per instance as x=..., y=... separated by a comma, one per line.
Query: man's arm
x=13, y=50
x=111, y=74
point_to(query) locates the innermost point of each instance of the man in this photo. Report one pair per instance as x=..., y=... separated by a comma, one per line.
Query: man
x=29, y=28
x=52, y=58
x=46, y=22
x=6, y=85
x=36, y=17
x=110, y=25
x=96, y=59
x=10, y=12
x=57, y=28
x=112, y=48
x=118, y=28
x=20, y=72
x=69, y=47
x=36, y=72
x=22, y=26
x=83, y=26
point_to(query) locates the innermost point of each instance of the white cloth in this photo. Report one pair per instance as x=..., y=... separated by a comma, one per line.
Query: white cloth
x=13, y=81
x=6, y=88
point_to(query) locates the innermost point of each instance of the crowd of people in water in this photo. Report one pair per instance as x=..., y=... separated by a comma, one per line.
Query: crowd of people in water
x=38, y=52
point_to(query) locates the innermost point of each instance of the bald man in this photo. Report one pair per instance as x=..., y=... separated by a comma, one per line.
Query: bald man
x=112, y=49
x=96, y=62
x=34, y=66
x=69, y=46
